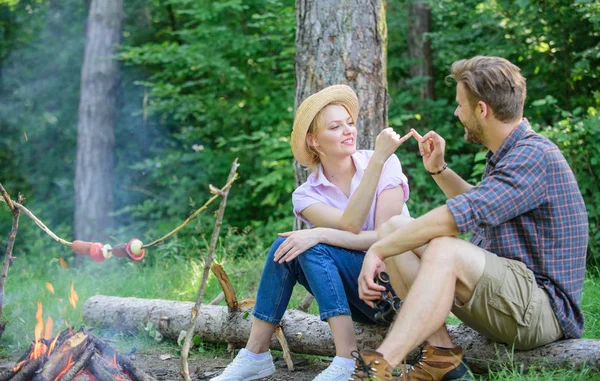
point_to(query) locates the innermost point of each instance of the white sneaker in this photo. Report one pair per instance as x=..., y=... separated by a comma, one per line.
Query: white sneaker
x=244, y=368
x=334, y=372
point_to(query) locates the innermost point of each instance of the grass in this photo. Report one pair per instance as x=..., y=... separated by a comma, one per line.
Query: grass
x=174, y=272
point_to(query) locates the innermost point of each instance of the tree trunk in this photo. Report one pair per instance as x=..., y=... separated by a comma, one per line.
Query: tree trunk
x=419, y=47
x=95, y=136
x=309, y=335
x=343, y=43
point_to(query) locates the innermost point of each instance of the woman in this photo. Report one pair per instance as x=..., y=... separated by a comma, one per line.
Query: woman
x=349, y=194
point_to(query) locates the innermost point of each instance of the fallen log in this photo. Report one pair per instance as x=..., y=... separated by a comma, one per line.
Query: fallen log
x=309, y=335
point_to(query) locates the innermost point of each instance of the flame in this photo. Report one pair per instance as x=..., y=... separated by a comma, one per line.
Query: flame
x=63, y=263
x=114, y=361
x=48, y=330
x=50, y=287
x=19, y=366
x=39, y=348
x=52, y=345
x=73, y=298
x=70, y=363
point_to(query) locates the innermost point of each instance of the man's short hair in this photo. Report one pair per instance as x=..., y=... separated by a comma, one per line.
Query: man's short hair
x=495, y=81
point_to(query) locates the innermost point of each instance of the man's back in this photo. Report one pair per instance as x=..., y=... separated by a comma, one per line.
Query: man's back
x=528, y=207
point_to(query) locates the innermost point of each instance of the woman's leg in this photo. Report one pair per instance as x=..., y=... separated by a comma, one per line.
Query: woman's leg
x=274, y=292
x=331, y=274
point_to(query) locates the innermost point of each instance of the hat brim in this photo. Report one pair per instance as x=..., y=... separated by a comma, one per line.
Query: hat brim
x=307, y=111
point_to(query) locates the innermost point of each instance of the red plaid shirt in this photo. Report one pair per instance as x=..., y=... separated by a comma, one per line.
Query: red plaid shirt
x=528, y=207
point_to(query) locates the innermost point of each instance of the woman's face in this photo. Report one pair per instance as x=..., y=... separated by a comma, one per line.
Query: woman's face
x=337, y=134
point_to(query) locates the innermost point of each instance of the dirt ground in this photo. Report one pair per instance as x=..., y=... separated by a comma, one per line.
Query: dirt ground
x=162, y=365
x=204, y=368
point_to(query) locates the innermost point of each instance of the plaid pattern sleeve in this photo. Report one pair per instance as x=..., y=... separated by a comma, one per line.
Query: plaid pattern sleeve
x=528, y=207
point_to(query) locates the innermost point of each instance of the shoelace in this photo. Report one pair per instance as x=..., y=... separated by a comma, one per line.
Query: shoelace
x=417, y=362
x=361, y=367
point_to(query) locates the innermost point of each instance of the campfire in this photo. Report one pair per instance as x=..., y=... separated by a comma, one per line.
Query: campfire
x=71, y=355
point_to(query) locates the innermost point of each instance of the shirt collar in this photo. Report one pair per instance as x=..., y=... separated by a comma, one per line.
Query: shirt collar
x=318, y=177
x=494, y=157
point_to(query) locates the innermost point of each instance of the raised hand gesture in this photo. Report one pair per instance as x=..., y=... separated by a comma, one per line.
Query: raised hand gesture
x=432, y=148
x=387, y=142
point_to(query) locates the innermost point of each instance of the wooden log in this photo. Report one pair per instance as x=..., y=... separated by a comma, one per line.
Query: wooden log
x=126, y=364
x=69, y=349
x=26, y=373
x=80, y=362
x=309, y=335
x=103, y=371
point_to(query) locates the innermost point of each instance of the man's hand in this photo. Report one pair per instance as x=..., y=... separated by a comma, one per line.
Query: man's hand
x=432, y=148
x=297, y=242
x=368, y=290
x=387, y=142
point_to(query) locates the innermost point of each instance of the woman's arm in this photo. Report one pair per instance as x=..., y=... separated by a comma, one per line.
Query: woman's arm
x=389, y=203
x=353, y=217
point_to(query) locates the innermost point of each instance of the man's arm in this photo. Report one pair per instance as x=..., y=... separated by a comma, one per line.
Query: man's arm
x=437, y=223
x=431, y=148
x=451, y=183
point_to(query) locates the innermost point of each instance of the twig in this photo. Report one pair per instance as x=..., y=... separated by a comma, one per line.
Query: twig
x=223, y=191
x=8, y=258
x=39, y=223
x=207, y=264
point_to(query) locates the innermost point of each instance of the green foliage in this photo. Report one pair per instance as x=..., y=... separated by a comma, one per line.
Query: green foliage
x=222, y=81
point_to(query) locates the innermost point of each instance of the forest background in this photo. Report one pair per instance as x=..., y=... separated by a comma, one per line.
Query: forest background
x=203, y=82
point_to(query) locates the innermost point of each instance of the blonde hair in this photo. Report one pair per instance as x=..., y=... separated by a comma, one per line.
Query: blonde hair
x=316, y=126
x=495, y=81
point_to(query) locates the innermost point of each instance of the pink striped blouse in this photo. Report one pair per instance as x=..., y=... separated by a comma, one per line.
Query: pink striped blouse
x=317, y=189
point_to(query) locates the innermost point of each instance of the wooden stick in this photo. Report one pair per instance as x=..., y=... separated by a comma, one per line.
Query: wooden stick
x=27, y=372
x=8, y=258
x=287, y=355
x=98, y=367
x=306, y=302
x=80, y=363
x=39, y=223
x=228, y=290
x=127, y=365
x=218, y=299
x=221, y=192
x=207, y=265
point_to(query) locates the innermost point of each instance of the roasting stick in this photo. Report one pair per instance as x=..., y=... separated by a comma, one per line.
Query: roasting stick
x=136, y=243
x=39, y=223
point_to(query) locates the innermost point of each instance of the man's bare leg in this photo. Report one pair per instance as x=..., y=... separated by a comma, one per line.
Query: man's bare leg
x=449, y=267
x=403, y=270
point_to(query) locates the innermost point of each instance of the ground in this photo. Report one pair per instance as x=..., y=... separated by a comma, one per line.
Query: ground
x=163, y=363
x=205, y=367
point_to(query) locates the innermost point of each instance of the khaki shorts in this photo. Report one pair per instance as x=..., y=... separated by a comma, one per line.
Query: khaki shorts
x=508, y=307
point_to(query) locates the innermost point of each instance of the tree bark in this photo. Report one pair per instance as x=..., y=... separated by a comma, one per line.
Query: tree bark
x=343, y=43
x=95, y=135
x=309, y=335
x=419, y=47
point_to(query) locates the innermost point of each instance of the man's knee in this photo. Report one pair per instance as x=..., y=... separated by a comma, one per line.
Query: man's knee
x=441, y=251
x=392, y=225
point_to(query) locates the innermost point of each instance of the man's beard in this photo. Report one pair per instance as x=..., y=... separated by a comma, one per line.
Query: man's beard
x=473, y=132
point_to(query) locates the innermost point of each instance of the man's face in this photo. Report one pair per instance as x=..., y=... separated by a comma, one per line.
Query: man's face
x=466, y=115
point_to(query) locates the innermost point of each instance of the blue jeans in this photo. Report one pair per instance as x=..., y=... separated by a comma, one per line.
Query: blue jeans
x=329, y=273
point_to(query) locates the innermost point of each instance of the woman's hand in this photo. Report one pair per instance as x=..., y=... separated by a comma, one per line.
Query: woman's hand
x=432, y=147
x=297, y=242
x=387, y=142
x=368, y=290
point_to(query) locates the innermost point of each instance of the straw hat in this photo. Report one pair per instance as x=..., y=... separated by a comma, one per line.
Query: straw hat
x=307, y=111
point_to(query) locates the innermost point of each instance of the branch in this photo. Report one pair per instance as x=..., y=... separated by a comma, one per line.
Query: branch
x=8, y=258
x=223, y=190
x=207, y=264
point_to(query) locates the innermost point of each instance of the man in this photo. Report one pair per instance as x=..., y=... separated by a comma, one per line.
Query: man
x=520, y=278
